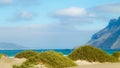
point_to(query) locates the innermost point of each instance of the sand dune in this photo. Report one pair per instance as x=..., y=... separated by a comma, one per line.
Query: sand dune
x=85, y=64
x=6, y=62
x=109, y=65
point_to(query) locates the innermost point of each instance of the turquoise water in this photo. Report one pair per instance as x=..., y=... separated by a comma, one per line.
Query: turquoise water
x=12, y=53
x=111, y=51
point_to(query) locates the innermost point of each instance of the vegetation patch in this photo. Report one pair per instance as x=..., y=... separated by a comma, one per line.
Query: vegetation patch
x=116, y=55
x=2, y=55
x=91, y=54
x=26, y=54
x=50, y=59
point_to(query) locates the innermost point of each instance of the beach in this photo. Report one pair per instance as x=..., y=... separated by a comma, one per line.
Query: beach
x=57, y=60
x=103, y=65
x=85, y=64
x=6, y=62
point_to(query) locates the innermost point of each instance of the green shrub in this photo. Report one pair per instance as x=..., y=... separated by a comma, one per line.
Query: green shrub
x=50, y=59
x=91, y=54
x=116, y=55
x=2, y=55
x=15, y=66
x=26, y=54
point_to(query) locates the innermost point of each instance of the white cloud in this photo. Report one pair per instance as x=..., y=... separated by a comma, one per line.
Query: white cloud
x=74, y=16
x=22, y=16
x=25, y=15
x=71, y=12
x=77, y=16
x=5, y=2
x=108, y=8
x=106, y=12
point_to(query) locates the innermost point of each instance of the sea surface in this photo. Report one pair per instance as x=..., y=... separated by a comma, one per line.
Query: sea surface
x=12, y=53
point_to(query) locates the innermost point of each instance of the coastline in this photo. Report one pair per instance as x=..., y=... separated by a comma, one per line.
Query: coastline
x=9, y=61
x=64, y=51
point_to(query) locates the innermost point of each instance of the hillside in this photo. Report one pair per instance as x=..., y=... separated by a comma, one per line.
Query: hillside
x=109, y=37
x=10, y=46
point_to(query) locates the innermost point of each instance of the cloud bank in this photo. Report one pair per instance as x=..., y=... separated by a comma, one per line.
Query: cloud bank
x=108, y=8
x=43, y=36
x=74, y=15
x=78, y=16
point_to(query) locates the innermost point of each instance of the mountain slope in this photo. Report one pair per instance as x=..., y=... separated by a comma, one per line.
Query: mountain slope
x=9, y=46
x=109, y=37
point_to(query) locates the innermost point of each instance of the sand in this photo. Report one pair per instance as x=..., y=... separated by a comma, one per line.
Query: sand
x=6, y=62
x=109, y=65
x=85, y=64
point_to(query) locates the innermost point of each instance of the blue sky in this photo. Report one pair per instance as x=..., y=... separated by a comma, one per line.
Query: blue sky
x=54, y=23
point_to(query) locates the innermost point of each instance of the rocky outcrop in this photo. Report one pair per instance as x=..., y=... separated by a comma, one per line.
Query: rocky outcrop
x=109, y=37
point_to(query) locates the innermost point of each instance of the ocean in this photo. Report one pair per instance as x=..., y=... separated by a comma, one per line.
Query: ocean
x=12, y=53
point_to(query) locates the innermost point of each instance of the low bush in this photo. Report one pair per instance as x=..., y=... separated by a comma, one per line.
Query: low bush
x=91, y=54
x=2, y=55
x=26, y=54
x=116, y=55
x=50, y=59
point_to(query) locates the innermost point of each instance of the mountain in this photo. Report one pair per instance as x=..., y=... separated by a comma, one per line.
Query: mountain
x=109, y=37
x=10, y=46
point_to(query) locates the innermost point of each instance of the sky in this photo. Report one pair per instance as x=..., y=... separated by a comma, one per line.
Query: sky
x=54, y=24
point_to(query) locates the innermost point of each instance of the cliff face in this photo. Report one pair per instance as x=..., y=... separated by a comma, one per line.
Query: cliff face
x=109, y=37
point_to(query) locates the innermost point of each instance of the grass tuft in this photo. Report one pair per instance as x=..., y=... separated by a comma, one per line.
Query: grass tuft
x=91, y=54
x=116, y=55
x=50, y=59
x=26, y=54
x=2, y=55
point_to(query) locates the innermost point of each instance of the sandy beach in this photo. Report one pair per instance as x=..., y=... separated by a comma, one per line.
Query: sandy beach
x=6, y=62
x=104, y=65
x=85, y=64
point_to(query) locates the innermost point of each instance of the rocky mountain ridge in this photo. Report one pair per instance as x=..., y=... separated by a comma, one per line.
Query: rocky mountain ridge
x=109, y=37
x=10, y=46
